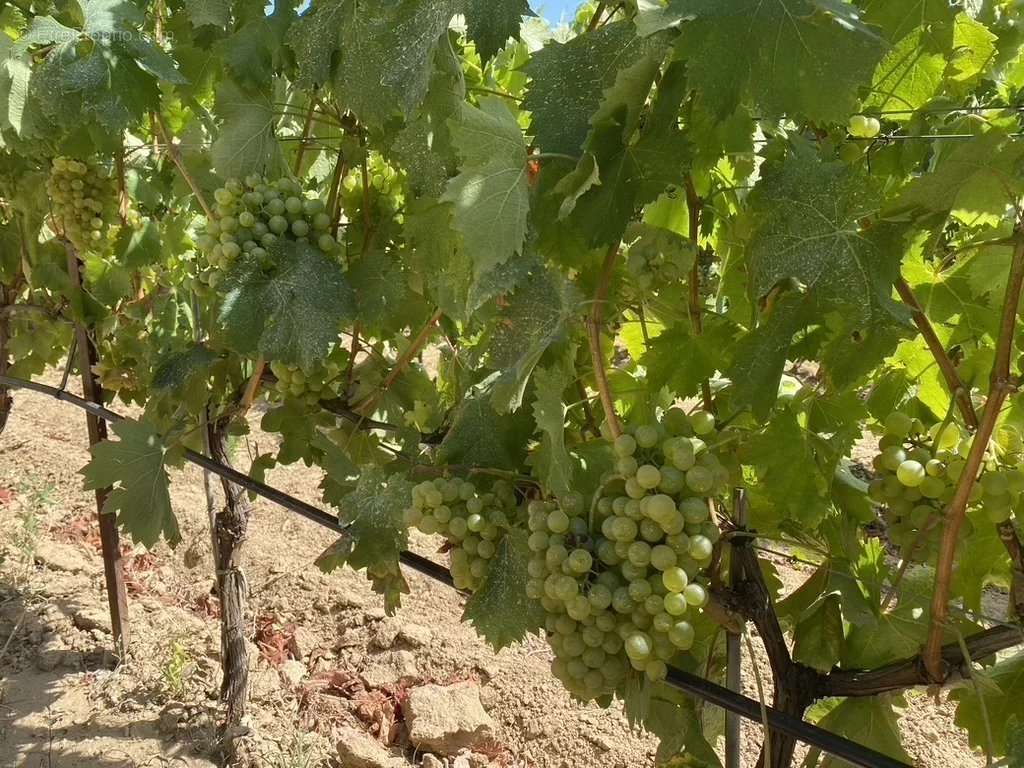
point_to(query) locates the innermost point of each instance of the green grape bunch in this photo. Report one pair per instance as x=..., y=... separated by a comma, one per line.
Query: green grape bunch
x=471, y=522
x=619, y=586
x=323, y=381
x=657, y=257
x=83, y=200
x=378, y=202
x=253, y=215
x=918, y=469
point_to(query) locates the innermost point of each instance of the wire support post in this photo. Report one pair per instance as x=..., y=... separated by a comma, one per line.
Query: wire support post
x=113, y=563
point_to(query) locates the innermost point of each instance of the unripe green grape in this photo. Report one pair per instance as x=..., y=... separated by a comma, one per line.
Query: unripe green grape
x=695, y=595
x=638, y=646
x=646, y=436
x=703, y=422
x=675, y=603
x=648, y=476
x=911, y=473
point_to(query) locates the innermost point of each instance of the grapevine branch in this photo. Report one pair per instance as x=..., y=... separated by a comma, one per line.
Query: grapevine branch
x=1000, y=386
x=594, y=323
x=306, y=127
x=694, y=206
x=369, y=403
x=955, y=385
x=175, y=154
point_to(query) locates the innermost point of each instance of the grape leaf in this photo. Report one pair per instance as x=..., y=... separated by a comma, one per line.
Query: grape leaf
x=424, y=146
x=681, y=361
x=900, y=17
x=214, y=13
x=314, y=38
x=818, y=636
x=810, y=230
x=246, y=142
x=381, y=291
x=491, y=194
x=140, y=247
x=481, y=437
x=791, y=57
x=974, y=179
x=387, y=52
x=178, y=372
x=437, y=254
x=870, y=722
x=1000, y=685
x=981, y=559
x=632, y=174
x=376, y=535
x=297, y=426
x=1014, y=743
x=133, y=466
x=490, y=23
x=899, y=633
x=910, y=74
x=533, y=318
x=571, y=79
x=575, y=184
x=670, y=715
x=290, y=313
x=500, y=610
x=787, y=470
x=556, y=471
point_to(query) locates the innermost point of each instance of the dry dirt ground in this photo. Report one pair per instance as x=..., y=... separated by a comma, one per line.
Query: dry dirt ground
x=324, y=656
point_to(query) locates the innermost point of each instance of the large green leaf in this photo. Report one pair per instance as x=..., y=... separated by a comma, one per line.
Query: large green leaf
x=818, y=636
x=556, y=469
x=490, y=195
x=490, y=23
x=870, y=722
x=376, y=535
x=571, y=79
x=791, y=57
x=134, y=466
x=499, y=609
x=387, y=52
x=995, y=698
x=533, y=318
x=246, y=142
x=291, y=312
x=481, y=437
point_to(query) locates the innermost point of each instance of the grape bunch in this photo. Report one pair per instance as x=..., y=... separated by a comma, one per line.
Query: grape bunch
x=471, y=522
x=253, y=215
x=657, y=257
x=321, y=382
x=918, y=469
x=84, y=199
x=619, y=589
x=382, y=199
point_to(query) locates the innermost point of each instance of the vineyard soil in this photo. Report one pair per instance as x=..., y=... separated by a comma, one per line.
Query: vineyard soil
x=62, y=706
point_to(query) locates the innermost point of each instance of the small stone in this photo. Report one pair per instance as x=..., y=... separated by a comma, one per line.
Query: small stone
x=92, y=618
x=431, y=761
x=50, y=655
x=61, y=557
x=461, y=762
x=302, y=644
x=374, y=614
x=445, y=719
x=293, y=672
x=476, y=760
x=385, y=634
x=415, y=635
x=72, y=660
x=170, y=717
x=391, y=668
x=358, y=749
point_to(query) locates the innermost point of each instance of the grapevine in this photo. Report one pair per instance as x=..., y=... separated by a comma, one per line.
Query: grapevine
x=621, y=318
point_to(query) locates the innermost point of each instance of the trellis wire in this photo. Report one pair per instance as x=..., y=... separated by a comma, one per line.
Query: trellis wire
x=718, y=695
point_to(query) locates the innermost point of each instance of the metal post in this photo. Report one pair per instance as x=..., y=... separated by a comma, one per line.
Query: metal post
x=733, y=649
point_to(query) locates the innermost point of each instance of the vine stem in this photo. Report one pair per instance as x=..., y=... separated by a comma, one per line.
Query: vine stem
x=596, y=18
x=370, y=402
x=306, y=127
x=694, y=206
x=175, y=156
x=953, y=381
x=594, y=323
x=1000, y=386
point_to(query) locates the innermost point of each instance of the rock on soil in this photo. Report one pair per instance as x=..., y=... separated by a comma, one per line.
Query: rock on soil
x=390, y=669
x=445, y=719
x=61, y=557
x=358, y=749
